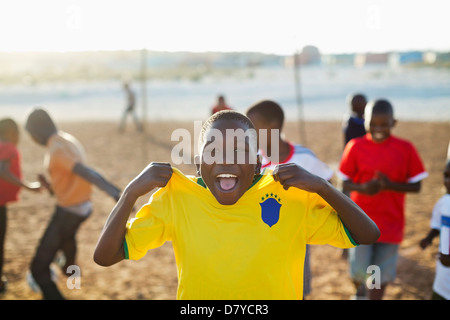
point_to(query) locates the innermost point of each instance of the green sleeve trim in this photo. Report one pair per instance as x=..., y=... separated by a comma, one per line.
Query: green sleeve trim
x=256, y=179
x=350, y=236
x=201, y=182
x=125, y=250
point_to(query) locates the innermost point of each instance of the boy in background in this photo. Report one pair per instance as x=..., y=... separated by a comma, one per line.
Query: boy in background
x=70, y=182
x=269, y=116
x=379, y=169
x=354, y=126
x=236, y=233
x=130, y=109
x=440, y=226
x=221, y=105
x=10, y=180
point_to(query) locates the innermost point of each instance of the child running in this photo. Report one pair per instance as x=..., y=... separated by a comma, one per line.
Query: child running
x=236, y=233
x=440, y=225
x=268, y=119
x=10, y=180
x=379, y=169
x=70, y=182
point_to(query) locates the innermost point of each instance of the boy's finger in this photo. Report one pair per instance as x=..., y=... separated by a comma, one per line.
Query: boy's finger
x=290, y=182
x=275, y=173
x=283, y=175
x=161, y=164
x=166, y=173
x=288, y=167
x=276, y=176
x=165, y=164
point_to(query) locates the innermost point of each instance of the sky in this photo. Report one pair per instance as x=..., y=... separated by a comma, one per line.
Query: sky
x=275, y=26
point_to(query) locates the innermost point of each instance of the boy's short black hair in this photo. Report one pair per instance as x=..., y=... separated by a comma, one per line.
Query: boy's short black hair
x=6, y=125
x=357, y=97
x=269, y=111
x=224, y=115
x=381, y=106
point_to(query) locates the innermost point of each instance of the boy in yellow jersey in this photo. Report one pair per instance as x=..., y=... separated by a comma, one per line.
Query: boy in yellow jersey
x=236, y=233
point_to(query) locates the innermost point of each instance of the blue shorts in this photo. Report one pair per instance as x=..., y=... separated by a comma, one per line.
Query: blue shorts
x=382, y=255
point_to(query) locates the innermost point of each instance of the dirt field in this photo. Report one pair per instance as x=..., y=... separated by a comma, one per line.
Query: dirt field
x=119, y=157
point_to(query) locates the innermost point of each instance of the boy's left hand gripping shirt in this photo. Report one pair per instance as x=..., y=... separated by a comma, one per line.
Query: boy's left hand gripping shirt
x=253, y=249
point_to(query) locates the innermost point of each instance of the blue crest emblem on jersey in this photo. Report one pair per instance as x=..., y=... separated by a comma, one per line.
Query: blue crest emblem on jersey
x=270, y=209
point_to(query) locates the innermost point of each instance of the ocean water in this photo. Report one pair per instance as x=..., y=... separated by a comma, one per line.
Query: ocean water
x=417, y=94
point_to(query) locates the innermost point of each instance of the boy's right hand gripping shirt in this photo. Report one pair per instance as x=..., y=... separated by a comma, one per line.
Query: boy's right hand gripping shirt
x=254, y=249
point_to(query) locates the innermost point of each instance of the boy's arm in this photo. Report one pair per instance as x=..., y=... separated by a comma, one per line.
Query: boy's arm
x=371, y=187
x=379, y=183
x=387, y=184
x=109, y=248
x=8, y=176
x=96, y=179
x=45, y=184
x=425, y=242
x=362, y=229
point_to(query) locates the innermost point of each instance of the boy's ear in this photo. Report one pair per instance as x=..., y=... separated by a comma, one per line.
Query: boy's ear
x=197, y=163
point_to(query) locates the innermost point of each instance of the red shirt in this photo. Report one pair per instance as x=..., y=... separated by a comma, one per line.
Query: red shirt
x=218, y=108
x=10, y=192
x=400, y=162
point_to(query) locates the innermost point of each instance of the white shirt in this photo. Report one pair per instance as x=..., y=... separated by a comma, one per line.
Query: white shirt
x=440, y=220
x=305, y=158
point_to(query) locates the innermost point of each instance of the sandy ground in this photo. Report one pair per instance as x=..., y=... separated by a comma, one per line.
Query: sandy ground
x=119, y=157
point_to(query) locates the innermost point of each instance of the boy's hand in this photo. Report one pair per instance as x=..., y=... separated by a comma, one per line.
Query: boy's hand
x=445, y=259
x=384, y=181
x=44, y=183
x=293, y=175
x=425, y=242
x=371, y=187
x=155, y=175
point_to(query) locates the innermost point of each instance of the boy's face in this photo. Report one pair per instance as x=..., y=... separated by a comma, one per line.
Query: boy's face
x=12, y=136
x=228, y=181
x=380, y=126
x=358, y=104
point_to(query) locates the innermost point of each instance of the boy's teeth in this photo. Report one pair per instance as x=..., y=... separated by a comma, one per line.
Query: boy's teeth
x=226, y=175
x=378, y=135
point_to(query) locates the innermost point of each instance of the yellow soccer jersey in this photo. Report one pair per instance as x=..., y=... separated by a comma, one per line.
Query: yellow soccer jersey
x=254, y=249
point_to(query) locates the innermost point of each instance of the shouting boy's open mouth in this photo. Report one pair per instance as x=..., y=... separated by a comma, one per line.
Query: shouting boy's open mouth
x=226, y=182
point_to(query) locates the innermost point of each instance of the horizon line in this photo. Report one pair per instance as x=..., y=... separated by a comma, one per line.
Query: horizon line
x=441, y=50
